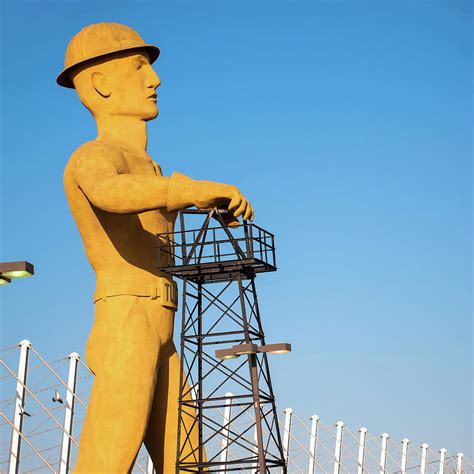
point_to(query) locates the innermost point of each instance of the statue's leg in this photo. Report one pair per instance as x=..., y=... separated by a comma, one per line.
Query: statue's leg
x=161, y=435
x=122, y=351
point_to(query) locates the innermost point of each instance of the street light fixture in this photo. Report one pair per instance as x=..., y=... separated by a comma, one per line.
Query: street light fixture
x=10, y=270
x=249, y=348
x=245, y=349
x=279, y=348
x=4, y=280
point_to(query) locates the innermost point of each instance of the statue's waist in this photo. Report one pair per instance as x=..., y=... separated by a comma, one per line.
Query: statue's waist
x=151, y=286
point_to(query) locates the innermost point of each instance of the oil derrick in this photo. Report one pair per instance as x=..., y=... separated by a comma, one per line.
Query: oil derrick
x=225, y=385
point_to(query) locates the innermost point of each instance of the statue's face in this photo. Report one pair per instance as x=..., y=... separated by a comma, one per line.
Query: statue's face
x=132, y=83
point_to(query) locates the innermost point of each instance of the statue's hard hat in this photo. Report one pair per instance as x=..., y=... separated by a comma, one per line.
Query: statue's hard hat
x=101, y=39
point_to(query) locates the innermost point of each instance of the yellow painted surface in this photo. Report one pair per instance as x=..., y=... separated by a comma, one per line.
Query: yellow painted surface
x=120, y=200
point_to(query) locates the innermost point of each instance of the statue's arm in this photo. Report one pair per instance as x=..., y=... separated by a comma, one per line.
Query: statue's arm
x=107, y=189
x=111, y=191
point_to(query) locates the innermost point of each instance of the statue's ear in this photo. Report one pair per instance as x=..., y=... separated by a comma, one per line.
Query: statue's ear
x=100, y=83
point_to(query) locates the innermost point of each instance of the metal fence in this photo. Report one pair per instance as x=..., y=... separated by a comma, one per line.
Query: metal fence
x=44, y=403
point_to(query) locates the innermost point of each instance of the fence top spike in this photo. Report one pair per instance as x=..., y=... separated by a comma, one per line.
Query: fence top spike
x=25, y=342
x=74, y=355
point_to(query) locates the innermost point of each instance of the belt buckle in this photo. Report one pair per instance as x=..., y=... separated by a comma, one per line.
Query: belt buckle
x=169, y=293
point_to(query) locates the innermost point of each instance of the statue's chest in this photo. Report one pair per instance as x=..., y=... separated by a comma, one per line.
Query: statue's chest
x=154, y=221
x=141, y=165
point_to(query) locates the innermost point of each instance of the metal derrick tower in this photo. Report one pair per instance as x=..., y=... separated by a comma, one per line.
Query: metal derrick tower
x=223, y=351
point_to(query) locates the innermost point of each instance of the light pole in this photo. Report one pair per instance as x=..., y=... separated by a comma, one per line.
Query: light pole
x=10, y=270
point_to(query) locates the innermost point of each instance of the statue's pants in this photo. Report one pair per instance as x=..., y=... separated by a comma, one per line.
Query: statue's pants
x=134, y=397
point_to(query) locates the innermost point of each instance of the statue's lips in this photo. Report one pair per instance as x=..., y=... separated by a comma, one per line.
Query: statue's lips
x=153, y=96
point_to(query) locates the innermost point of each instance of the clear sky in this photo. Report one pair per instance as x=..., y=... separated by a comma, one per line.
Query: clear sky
x=347, y=124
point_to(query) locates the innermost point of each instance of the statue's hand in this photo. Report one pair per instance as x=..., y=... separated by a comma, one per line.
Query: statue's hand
x=225, y=196
x=184, y=192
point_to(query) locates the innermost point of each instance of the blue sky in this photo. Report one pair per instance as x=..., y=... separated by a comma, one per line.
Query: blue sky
x=348, y=125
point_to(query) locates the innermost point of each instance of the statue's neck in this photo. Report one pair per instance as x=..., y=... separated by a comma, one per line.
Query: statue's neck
x=130, y=131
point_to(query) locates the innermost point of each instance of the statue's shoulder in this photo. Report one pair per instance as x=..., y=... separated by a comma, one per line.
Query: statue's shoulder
x=96, y=151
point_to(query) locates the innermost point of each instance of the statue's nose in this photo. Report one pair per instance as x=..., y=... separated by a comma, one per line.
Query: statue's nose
x=154, y=79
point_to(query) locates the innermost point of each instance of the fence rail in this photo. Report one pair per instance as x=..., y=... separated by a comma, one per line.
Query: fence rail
x=42, y=416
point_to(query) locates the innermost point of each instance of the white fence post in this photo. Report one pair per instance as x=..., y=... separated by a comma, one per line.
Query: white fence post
x=225, y=432
x=338, y=449
x=459, y=463
x=286, y=436
x=424, y=452
x=383, y=453
x=149, y=466
x=313, y=444
x=14, y=463
x=69, y=413
x=442, y=460
x=404, y=463
x=254, y=469
x=361, y=455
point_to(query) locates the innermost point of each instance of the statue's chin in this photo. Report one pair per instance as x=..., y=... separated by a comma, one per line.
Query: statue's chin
x=150, y=112
x=152, y=116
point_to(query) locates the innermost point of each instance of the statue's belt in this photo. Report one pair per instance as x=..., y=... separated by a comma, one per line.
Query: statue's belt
x=160, y=288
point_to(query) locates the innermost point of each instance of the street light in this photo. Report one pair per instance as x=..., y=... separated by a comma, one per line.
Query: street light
x=9, y=270
x=279, y=348
x=249, y=348
x=4, y=280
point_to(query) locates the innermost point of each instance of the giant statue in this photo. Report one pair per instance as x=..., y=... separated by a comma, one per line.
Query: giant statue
x=120, y=200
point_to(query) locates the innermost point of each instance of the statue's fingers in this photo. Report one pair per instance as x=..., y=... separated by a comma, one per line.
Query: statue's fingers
x=248, y=211
x=236, y=201
x=241, y=208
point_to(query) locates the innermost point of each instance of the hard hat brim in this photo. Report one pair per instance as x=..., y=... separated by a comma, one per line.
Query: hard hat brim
x=64, y=79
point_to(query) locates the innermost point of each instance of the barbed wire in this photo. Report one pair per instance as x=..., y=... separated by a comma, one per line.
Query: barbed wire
x=299, y=451
x=9, y=348
x=23, y=437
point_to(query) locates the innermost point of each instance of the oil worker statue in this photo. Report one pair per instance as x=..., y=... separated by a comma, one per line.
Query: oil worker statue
x=120, y=200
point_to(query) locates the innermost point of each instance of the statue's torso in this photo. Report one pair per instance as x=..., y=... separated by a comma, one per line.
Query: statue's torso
x=118, y=245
